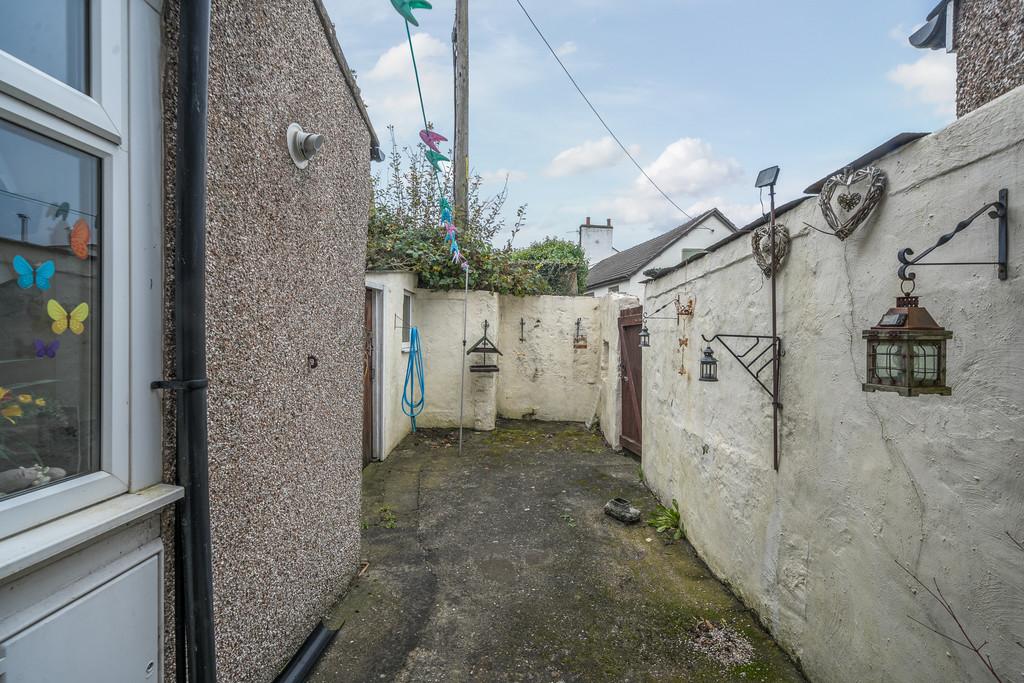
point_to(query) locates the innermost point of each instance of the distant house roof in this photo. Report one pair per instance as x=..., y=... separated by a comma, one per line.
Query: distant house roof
x=626, y=264
x=890, y=145
x=656, y=273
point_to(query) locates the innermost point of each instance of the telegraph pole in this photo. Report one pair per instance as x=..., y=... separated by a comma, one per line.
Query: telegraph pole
x=460, y=44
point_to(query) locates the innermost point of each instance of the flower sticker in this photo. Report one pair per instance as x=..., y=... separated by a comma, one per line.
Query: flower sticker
x=11, y=412
x=25, y=398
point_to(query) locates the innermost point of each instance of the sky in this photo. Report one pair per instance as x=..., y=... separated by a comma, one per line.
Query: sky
x=704, y=93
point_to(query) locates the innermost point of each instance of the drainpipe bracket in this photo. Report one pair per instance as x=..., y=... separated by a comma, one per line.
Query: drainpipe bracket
x=180, y=384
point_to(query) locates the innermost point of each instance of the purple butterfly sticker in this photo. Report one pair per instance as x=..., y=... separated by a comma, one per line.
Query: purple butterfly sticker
x=44, y=350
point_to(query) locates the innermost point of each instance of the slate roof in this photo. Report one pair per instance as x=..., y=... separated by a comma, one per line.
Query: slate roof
x=626, y=264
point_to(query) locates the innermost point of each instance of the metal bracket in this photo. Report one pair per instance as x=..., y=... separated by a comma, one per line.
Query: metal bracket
x=180, y=384
x=996, y=210
x=748, y=364
x=681, y=310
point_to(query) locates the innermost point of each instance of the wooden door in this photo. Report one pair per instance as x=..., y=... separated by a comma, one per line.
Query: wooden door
x=369, y=375
x=631, y=371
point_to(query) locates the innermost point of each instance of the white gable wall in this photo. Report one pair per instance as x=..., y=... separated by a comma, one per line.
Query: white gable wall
x=711, y=230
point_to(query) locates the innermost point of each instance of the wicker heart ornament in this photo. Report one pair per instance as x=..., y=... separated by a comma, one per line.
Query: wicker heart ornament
x=761, y=245
x=855, y=207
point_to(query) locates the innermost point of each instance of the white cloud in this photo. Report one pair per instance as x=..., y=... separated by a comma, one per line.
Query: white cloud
x=389, y=87
x=503, y=174
x=590, y=155
x=931, y=80
x=565, y=49
x=739, y=213
x=687, y=167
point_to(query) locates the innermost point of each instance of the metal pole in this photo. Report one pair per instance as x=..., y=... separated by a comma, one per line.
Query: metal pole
x=462, y=385
x=776, y=350
x=460, y=43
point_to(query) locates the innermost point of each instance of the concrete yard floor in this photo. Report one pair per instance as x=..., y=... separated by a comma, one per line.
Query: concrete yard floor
x=500, y=565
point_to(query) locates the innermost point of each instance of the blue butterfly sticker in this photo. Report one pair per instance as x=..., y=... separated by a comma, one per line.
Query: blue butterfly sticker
x=27, y=275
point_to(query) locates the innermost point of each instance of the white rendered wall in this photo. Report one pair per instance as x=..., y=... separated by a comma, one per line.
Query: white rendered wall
x=867, y=480
x=393, y=360
x=596, y=241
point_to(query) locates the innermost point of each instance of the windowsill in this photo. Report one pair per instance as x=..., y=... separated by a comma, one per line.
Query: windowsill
x=41, y=543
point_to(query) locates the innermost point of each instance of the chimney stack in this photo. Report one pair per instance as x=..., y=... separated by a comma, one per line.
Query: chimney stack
x=588, y=221
x=609, y=222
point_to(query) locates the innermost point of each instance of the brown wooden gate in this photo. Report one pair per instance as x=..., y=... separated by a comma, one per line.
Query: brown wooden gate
x=632, y=373
x=368, y=376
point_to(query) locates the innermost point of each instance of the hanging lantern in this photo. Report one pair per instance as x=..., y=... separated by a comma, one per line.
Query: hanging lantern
x=906, y=352
x=645, y=337
x=708, y=366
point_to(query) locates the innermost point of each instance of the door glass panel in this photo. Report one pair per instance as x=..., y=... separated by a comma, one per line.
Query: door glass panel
x=51, y=35
x=49, y=311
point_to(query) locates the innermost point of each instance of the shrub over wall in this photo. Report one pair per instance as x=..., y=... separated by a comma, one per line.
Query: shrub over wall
x=404, y=235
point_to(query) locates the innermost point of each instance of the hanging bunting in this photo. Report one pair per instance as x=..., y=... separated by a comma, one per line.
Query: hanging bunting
x=436, y=158
x=405, y=8
x=430, y=139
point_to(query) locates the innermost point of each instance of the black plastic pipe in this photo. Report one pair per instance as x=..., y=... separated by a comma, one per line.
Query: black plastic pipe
x=305, y=659
x=190, y=343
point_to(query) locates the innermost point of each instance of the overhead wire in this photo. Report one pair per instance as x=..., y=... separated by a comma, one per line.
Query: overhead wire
x=597, y=113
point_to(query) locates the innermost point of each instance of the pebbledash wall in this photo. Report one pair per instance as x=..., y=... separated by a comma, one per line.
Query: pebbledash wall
x=867, y=480
x=285, y=250
x=543, y=373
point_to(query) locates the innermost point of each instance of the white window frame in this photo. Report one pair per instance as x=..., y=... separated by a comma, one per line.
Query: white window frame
x=95, y=124
x=407, y=323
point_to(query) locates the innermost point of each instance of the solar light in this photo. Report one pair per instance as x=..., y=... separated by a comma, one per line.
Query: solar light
x=906, y=351
x=708, y=366
x=767, y=177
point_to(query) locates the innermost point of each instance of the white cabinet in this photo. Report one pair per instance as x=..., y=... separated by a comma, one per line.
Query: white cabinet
x=109, y=635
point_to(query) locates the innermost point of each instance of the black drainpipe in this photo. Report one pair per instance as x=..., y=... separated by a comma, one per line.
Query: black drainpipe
x=194, y=567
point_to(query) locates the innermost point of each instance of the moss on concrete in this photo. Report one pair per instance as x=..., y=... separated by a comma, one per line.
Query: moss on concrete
x=504, y=567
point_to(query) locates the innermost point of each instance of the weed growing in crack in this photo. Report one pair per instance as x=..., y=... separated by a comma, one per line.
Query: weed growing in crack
x=667, y=519
x=388, y=518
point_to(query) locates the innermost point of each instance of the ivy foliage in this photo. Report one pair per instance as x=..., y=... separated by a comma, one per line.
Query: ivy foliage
x=404, y=235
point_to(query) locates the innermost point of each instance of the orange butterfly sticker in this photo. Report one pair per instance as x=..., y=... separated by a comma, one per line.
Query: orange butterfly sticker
x=79, y=239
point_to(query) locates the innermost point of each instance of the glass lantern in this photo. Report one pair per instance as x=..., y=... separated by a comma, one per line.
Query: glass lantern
x=708, y=366
x=906, y=352
x=645, y=337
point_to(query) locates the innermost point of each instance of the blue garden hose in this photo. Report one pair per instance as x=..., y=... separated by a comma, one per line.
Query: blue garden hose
x=413, y=375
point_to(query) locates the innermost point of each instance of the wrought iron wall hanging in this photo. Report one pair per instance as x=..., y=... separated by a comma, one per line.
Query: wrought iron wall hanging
x=484, y=347
x=996, y=210
x=682, y=310
x=906, y=350
x=766, y=349
x=854, y=208
x=579, y=339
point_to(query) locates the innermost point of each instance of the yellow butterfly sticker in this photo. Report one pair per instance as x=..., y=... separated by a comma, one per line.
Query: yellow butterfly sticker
x=62, y=320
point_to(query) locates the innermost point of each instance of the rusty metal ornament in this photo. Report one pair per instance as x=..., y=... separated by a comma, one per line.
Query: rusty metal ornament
x=761, y=245
x=856, y=208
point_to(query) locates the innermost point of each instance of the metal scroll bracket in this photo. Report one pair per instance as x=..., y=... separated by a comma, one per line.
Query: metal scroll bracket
x=774, y=359
x=996, y=210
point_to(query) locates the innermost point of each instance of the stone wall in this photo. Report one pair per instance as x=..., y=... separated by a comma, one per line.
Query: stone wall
x=285, y=260
x=990, y=51
x=868, y=481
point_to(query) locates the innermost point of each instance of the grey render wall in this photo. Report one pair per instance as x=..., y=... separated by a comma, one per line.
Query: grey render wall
x=867, y=479
x=990, y=51
x=286, y=253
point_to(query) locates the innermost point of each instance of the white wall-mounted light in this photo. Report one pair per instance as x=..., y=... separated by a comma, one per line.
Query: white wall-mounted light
x=302, y=145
